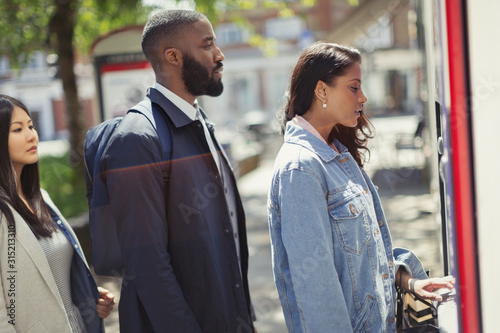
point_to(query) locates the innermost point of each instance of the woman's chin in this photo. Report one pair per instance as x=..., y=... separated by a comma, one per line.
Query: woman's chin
x=350, y=123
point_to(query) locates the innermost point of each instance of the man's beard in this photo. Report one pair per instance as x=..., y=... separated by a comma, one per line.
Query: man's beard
x=198, y=80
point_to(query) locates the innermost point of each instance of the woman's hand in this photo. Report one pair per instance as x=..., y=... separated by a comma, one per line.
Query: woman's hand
x=426, y=288
x=105, y=302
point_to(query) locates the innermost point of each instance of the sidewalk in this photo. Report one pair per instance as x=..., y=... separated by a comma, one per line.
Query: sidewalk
x=410, y=209
x=253, y=189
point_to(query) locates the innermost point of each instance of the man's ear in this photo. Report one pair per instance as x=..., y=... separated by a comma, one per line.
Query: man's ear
x=320, y=90
x=173, y=56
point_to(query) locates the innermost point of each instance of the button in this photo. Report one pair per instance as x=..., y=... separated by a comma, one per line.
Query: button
x=365, y=191
x=237, y=285
x=377, y=232
x=76, y=246
x=352, y=209
x=59, y=222
x=393, y=319
x=391, y=263
x=226, y=231
x=380, y=223
x=225, y=189
x=232, y=214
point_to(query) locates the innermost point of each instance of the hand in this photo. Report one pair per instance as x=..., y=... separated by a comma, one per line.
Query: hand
x=105, y=302
x=426, y=288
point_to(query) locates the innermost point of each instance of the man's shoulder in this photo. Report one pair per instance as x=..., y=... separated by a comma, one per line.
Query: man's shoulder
x=134, y=123
x=134, y=134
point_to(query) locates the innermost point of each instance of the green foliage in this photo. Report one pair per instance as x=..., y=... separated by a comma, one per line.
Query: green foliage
x=208, y=7
x=98, y=17
x=66, y=185
x=24, y=25
x=234, y=11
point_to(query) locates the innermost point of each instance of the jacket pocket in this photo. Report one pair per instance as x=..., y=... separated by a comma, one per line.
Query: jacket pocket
x=350, y=220
x=39, y=327
x=362, y=323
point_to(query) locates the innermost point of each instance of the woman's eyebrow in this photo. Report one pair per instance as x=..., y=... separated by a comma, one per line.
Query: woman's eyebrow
x=20, y=122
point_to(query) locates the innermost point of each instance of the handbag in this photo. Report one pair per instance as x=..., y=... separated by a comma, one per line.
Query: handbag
x=415, y=314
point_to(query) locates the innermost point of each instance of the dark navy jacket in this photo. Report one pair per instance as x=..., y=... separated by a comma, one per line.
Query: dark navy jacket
x=181, y=268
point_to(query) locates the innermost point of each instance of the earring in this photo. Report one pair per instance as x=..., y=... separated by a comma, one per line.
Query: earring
x=324, y=105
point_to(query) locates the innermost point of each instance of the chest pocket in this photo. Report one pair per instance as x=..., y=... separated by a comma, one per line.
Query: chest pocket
x=350, y=220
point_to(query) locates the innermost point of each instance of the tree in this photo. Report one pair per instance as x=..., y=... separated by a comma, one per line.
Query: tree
x=50, y=25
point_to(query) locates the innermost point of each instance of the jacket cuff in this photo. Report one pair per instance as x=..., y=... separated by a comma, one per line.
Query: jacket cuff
x=409, y=261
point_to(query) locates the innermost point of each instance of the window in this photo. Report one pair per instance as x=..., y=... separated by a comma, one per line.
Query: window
x=230, y=34
x=243, y=90
x=284, y=28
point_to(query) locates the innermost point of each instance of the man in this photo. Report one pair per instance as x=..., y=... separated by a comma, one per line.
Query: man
x=183, y=242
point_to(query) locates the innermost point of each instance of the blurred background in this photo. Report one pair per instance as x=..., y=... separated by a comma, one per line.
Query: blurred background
x=75, y=63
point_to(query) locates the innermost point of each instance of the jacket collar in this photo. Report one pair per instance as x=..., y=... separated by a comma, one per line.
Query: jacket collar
x=295, y=134
x=31, y=245
x=29, y=242
x=178, y=117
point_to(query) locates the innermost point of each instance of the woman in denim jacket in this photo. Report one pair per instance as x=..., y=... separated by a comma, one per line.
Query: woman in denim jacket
x=334, y=265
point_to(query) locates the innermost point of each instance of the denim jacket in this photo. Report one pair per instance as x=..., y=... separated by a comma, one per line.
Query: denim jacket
x=333, y=260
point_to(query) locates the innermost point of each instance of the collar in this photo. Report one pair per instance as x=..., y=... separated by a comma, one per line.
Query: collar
x=190, y=110
x=300, y=121
x=295, y=134
x=179, y=117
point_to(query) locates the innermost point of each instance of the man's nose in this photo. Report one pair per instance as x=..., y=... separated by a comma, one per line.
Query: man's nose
x=219, y=56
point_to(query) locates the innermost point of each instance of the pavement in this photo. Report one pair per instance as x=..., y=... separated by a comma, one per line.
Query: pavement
x=412, y=212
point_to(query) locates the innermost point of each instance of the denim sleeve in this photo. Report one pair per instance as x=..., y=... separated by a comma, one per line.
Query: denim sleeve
x=409, y=261
x=306, y=234
x=134, y=182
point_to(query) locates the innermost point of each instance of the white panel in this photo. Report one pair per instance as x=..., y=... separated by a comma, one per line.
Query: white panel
x=485, y=80
x=123, y=89
x=126, y=41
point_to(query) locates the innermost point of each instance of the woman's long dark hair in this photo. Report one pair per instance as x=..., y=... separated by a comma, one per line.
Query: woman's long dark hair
x=39, y=221
x=325, y=62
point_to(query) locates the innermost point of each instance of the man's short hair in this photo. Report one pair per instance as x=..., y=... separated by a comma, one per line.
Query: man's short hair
x=166, y=25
